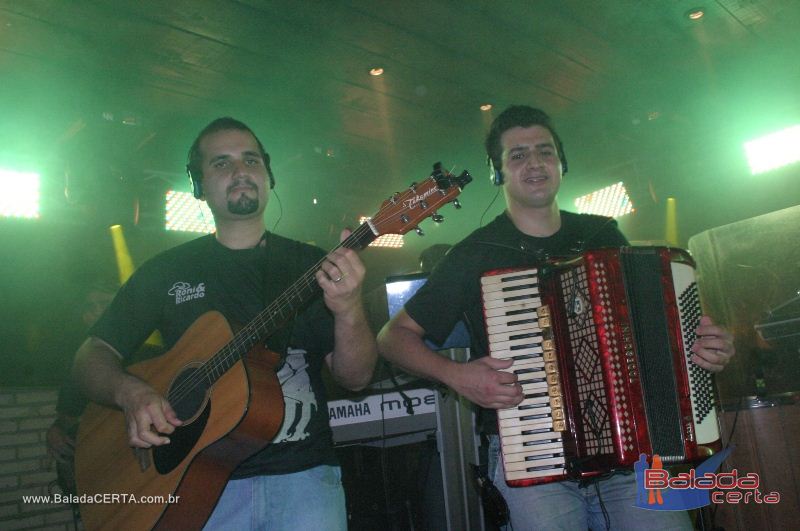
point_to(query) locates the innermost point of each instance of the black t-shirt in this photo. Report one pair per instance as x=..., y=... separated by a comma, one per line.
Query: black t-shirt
x=453, y=293
x=169, y=292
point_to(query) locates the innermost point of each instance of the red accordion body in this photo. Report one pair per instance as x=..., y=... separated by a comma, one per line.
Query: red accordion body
x=601, y=346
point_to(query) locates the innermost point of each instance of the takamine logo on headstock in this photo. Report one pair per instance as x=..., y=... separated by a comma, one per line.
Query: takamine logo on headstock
x=405, y=210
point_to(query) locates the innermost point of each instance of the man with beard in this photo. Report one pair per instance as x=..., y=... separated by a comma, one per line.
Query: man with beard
x=294, y=483
x=522, y=144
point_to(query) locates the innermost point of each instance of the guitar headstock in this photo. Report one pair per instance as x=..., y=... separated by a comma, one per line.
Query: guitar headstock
x=404, y=211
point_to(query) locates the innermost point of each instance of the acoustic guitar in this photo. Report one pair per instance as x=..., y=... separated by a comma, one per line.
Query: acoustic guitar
x=224, y=388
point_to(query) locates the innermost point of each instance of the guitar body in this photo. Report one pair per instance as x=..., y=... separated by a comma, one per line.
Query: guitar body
x=227, y=423
x=226, y=393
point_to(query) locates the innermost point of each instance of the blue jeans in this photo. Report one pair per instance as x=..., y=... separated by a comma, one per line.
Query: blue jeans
x=565, y=505
x=311, y=499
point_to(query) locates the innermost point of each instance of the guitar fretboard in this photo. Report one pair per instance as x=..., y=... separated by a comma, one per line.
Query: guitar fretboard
x=268, y=321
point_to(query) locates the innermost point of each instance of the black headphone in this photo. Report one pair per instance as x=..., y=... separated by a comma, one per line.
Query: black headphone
x=197, y=185
x=496, y=175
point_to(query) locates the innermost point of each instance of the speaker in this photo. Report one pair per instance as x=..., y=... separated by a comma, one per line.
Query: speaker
x=197, y=185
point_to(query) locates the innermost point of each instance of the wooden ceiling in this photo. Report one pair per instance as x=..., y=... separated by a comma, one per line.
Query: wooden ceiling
x=116, y=90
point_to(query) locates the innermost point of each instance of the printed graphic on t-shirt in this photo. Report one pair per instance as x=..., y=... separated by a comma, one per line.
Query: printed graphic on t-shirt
x=298, y=396
x=183, y=291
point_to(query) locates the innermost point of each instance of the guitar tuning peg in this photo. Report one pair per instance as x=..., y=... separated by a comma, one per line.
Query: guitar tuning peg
x=456, y=203
x=393, y=198
x=419, y=231
x=437, y=218
x=413, y=187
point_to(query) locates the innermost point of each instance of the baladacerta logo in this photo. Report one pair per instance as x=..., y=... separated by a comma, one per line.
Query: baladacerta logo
x=658, y=491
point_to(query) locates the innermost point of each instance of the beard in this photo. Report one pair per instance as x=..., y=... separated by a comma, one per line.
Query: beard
x=243, y=206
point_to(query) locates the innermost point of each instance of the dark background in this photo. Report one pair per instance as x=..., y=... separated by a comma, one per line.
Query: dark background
x=103, y=98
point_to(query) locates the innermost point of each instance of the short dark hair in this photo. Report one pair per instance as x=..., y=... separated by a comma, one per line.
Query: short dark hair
x=195, y=158
x=519, y=116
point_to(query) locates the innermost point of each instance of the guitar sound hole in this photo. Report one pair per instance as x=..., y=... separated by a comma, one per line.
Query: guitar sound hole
x=187, y=393
x=182, y=440
x=187, y=397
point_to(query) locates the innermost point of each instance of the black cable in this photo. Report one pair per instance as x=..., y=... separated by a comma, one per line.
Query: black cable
x=495, y=508
x=385, y=478
x=606, y=517
x=735, y=420
x=280, y=210
x=730, y=438
x=399, y=390
x=480, y=224
x=699, y=521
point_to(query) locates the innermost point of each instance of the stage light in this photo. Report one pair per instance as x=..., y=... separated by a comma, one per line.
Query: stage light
x=486, y=107
x=377, y=71
x=125, y=268
x=185, y=213
x=695, y=14
x=19, y=194
x=774, y=150
x=123, y=255
x=394, y=241
x=612, y=201
x=671, y=222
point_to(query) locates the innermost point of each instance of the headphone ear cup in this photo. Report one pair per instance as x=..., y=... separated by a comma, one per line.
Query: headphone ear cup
x=495, y=175
x=271, y=179
x=197, y=189
x=197, y=186
x=498, y=178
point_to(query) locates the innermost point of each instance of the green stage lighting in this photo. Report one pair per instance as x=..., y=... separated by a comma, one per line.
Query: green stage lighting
x=611, y=201
x=774, y=150
x=185, y=213
x=19, y=194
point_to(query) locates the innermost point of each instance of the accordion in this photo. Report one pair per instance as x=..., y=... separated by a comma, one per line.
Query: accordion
x=601, y=347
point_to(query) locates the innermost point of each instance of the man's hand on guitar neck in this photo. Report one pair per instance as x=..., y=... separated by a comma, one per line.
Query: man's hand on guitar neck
x=354, y=352
x=340, y=276
x=148, y=415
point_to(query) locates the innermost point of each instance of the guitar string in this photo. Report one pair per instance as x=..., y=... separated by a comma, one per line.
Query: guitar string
x=229, y=354
x=222, y=360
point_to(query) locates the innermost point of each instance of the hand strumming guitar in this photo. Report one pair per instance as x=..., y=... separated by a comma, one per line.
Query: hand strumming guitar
x=148, y=415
